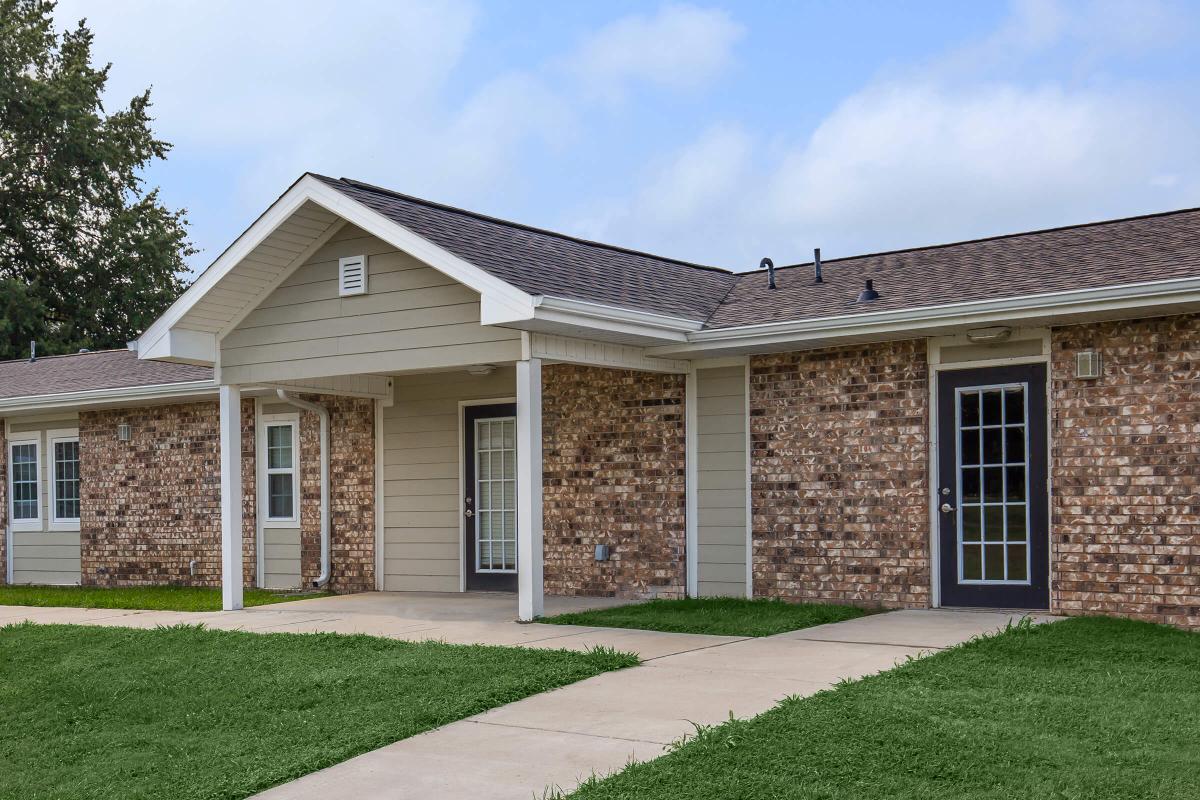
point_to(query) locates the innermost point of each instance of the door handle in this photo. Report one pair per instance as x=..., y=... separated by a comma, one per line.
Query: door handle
x=947, y=508
x=470, y=513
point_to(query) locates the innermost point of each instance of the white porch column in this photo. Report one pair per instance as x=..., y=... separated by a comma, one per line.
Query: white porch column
x=529, y=489
x=231, y=497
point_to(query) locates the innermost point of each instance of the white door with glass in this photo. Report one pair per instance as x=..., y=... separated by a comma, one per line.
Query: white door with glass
x=490, y=503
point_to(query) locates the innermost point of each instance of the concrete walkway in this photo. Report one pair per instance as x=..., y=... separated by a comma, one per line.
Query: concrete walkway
x=596, y=726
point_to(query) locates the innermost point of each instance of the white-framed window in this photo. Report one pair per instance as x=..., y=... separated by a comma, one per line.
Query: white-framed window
x=63, y=452
x=24, y=483
x=279, y=453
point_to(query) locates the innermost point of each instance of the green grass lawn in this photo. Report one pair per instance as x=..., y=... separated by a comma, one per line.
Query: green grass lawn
x=152, y=598
x=1086, y=708
x=185, y=712
x=725, y=616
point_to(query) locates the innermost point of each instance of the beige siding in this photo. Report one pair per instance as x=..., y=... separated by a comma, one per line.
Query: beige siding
x=44, y=556
x=413, y=317
x=422, y=468
x=721, y=480
x=281, y=558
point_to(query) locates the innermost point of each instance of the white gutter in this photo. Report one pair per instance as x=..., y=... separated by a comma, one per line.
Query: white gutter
x=323, y=413
x=1137, y=296
x=122, y=394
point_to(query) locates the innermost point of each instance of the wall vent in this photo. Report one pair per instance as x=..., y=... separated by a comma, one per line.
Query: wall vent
x=352, y=275
x=1088, y=365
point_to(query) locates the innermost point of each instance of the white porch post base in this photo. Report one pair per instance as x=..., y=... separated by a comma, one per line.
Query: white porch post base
x=231, y=497
x=529, y=489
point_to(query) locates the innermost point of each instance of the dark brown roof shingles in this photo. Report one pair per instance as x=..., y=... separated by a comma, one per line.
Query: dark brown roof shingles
x=1151, y=248
x=551, y=264
x=104, y=369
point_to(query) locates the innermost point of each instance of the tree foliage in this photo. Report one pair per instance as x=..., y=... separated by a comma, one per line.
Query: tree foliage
x=88, y=256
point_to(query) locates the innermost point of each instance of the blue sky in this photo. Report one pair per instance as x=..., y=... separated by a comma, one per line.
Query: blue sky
x=716, y=132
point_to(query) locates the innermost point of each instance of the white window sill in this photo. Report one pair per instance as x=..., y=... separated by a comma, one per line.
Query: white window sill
x=281, y=523
x=27, y=526
x=64, y=525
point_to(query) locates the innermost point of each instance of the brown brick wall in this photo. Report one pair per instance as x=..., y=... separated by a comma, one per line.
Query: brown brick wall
x=351, y=496
x=1125, y=469
x=613, y=473
x=152, y=504
x=838, y=474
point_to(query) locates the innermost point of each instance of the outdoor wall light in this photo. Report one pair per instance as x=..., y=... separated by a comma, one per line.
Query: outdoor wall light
x=998, y=333
x=602, y=552
x=123, y=432
x=1089, y=365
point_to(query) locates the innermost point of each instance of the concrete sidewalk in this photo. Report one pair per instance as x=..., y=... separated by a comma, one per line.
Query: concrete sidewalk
x=595, y=726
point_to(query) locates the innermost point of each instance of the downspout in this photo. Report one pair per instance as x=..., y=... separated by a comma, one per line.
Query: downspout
x=323, y=413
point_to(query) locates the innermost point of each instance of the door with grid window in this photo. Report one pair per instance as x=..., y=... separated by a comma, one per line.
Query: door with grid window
x=991, y=495
x=490, y=501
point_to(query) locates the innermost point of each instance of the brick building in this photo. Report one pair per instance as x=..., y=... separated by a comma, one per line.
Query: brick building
x=371, y=391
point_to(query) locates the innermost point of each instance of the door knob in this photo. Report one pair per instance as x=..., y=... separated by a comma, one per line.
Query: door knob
x=947, y=508
x=470, y=513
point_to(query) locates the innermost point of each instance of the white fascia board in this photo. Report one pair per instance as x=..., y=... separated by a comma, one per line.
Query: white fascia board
x=501, y=302
x=183, y=346
x=1026, y=309
x=613, y=319
x=129, y=394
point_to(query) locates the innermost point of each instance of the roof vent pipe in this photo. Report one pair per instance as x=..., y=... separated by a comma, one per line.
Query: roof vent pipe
x=33, y=348
x=323, y=413
x=770, y=266
x=817, y=265
x=868, y=294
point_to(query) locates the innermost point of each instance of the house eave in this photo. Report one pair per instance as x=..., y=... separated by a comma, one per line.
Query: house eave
x=123, y=395
x=1154, y=298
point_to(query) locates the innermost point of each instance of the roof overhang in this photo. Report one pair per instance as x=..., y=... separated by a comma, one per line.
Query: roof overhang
x=1156, y=298
x=120, y=396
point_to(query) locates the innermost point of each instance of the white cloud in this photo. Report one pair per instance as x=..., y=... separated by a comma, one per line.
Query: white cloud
x=680, y=47
x=955, y=148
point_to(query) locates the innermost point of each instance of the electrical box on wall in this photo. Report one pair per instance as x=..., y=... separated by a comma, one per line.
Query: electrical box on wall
x=352, y=275
x=1088, y=365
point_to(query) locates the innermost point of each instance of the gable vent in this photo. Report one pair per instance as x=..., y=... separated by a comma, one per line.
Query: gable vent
x=352, y=275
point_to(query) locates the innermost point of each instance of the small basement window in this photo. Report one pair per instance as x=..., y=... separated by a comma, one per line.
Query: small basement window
x=282, y=497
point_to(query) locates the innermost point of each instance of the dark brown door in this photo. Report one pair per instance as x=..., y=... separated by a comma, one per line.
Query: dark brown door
x=490, y=503
x=992, y=494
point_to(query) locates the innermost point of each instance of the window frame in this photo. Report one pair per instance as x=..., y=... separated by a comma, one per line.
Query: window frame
x=266, y=422
x=53, y=437
x=33, y=523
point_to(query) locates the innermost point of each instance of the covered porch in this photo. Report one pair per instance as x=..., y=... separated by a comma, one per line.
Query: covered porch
x=326, y=296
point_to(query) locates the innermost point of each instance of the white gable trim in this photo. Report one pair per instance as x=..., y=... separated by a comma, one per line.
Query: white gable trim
x=500, y=301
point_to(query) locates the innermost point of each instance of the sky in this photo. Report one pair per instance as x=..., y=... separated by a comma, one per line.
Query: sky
x=713, y=132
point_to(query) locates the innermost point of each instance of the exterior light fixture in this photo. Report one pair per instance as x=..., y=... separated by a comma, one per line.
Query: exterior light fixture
x=993, y=335
x=1089, y=365
x=123, y=432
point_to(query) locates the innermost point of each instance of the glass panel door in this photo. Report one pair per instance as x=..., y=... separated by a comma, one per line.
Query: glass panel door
x=991, y=498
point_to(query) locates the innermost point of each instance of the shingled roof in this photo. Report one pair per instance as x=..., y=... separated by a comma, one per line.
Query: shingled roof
x=1138, y=249
x=553, y=264
x=80, y=372
x=1112, y=253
